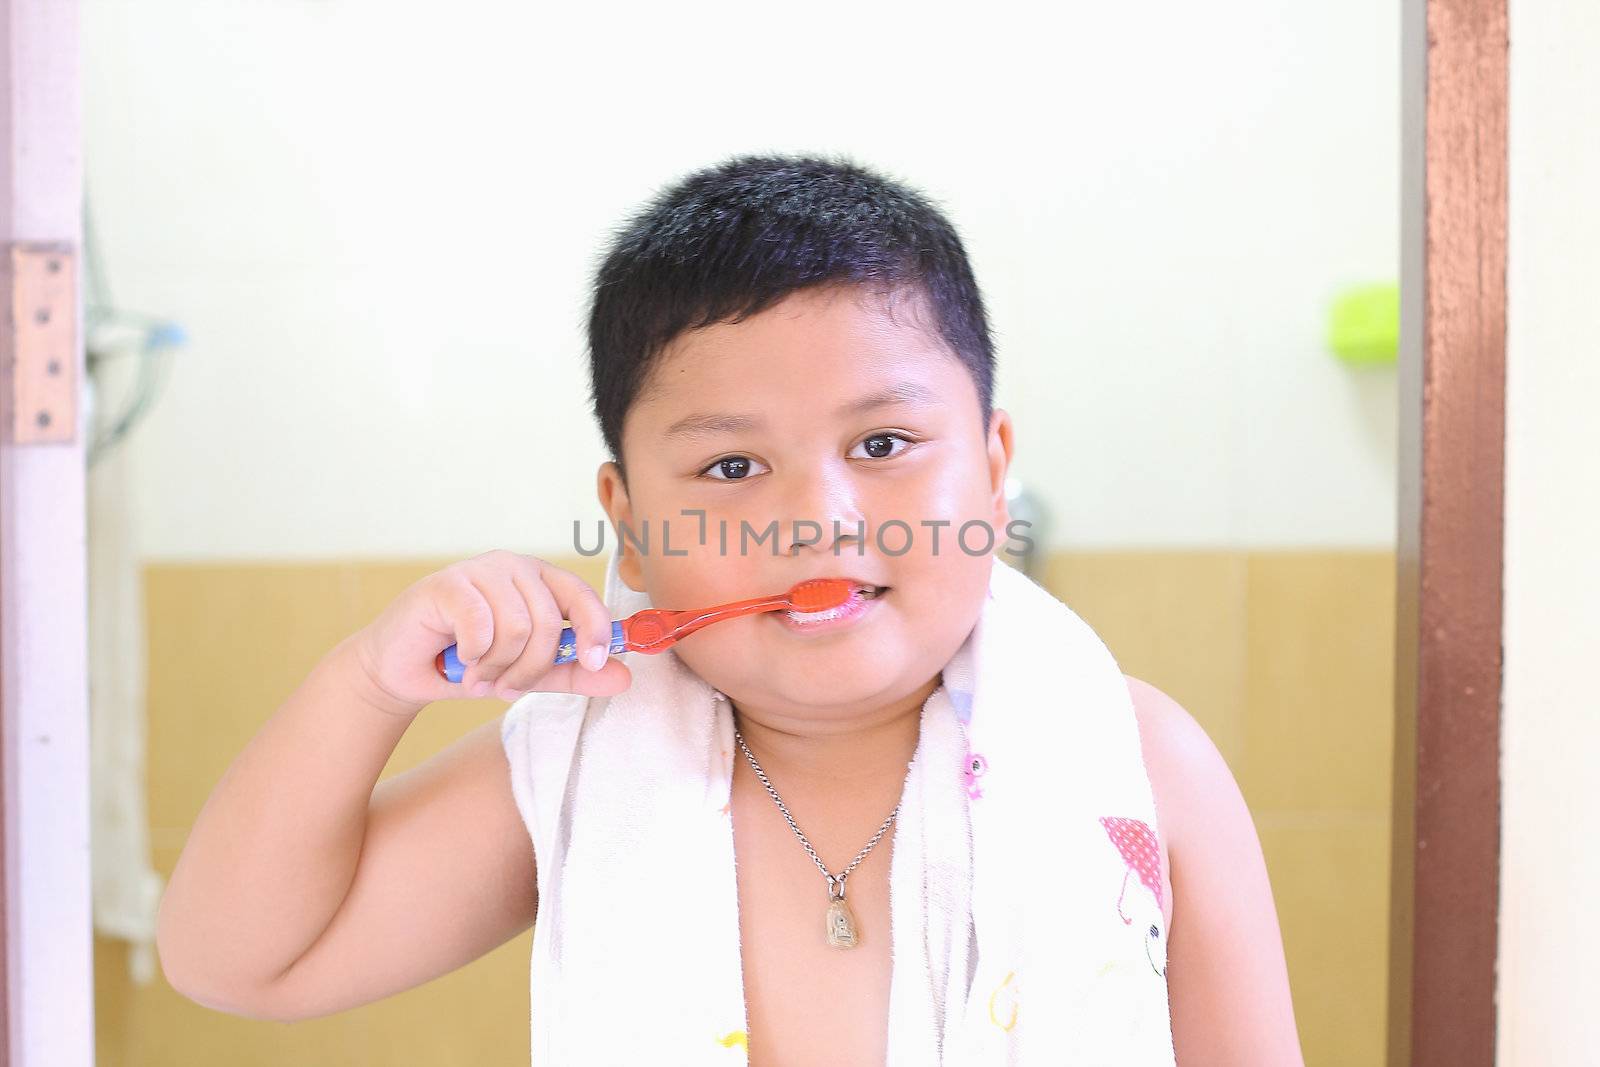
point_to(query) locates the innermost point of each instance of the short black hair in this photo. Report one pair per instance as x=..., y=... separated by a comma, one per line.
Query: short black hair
x=732, y=239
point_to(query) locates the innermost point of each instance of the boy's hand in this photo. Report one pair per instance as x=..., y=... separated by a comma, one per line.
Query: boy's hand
x=504, y=612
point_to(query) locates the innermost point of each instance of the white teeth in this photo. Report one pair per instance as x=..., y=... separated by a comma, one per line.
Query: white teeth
x=815, y=616
x=861, y=592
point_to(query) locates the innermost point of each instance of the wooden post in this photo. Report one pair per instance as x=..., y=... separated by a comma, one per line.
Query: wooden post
x=1446, y=870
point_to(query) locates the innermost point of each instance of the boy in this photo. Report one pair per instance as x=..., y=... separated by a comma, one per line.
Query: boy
x=773, y=339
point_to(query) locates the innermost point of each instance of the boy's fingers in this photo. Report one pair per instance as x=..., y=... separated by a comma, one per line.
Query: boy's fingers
x=580, y=605
x=469, y=616
x=539, y=653
x=513, y=625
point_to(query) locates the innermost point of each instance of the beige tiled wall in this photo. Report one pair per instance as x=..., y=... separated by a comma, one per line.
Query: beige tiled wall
x=1286, y=658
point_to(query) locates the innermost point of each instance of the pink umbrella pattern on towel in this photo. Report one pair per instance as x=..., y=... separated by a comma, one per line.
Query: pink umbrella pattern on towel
x=1136, y=843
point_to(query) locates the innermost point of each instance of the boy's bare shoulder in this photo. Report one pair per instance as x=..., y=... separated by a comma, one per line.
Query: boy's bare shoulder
x=1227, y=979
x=1183, y=763
x=1192, y=783
x=1178, y=757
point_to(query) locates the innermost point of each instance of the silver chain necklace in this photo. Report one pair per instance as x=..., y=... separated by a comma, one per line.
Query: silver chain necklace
x=842, y=928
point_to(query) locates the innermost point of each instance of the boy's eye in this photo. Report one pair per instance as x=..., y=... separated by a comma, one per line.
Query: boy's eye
x=738, y=468
x=881, y=445
x=731, y=469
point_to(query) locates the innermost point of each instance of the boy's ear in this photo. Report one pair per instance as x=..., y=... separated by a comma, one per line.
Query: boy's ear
x=613, y=492
x=1000, y=446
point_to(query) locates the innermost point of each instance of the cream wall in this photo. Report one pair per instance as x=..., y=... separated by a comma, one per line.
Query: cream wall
x=377, y=222
x=1549, y=929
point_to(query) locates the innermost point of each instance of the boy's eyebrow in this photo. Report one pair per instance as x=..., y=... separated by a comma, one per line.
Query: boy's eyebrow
x=899, y=393
x=707, y=424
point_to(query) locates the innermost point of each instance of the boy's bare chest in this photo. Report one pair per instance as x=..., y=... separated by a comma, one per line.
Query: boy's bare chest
x=808, y=1002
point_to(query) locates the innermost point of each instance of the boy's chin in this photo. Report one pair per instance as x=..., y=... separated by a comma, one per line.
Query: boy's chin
x=835, y=694
x=815, y=679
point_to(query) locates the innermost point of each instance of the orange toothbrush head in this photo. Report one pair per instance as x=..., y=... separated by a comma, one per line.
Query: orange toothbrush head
x=819, y=594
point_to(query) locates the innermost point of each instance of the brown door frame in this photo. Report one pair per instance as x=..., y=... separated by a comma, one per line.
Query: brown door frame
x=1446, y=855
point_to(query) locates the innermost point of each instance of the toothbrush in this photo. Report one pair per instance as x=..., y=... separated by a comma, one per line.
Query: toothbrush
x=655, y=630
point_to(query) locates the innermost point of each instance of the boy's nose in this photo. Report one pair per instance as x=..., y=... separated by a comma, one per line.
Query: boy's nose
x=831, y=535
x=826, y=514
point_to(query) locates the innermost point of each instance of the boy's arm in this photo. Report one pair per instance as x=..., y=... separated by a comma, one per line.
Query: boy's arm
x=302, y=890
x=1226, y=976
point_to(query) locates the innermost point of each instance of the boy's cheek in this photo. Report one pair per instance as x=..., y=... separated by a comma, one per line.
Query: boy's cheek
x=704, y=577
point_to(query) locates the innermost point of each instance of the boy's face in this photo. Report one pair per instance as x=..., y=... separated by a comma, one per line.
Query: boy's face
x=768, y=421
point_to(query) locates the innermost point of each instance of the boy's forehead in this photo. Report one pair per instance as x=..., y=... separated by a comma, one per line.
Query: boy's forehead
x=830, y=352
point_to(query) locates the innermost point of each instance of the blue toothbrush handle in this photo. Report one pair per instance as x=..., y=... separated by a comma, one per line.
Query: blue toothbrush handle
x=453, y=669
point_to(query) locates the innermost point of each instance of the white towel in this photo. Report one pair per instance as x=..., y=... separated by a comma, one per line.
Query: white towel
x=1024, y=882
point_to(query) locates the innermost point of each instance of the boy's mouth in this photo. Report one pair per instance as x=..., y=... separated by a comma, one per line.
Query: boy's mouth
x=860, y=593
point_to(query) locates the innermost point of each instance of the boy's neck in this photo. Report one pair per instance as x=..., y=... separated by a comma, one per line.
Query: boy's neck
x=837, y=754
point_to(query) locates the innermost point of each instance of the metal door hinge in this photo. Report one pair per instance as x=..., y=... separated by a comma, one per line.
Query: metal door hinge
x=38, y=345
